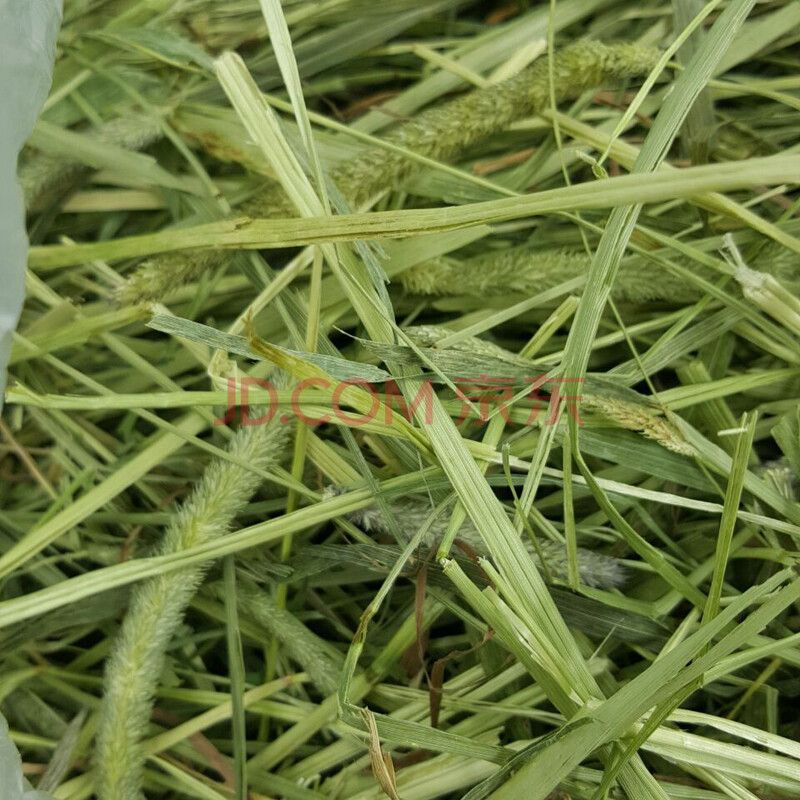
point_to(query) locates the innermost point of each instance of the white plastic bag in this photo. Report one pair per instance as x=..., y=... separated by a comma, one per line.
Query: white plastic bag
x=28, y=31
x=13, y=785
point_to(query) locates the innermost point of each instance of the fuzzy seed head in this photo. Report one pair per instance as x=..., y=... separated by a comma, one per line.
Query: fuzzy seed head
x=595, y=569
x=158, y=605
x=441, y=133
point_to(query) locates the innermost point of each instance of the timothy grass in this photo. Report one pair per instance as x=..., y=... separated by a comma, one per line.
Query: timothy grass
x=517, y=284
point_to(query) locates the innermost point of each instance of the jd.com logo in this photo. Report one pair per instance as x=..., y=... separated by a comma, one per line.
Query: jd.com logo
x=485, y=393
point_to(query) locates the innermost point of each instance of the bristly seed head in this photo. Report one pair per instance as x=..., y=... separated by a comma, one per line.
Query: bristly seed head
x=441, y=133
x=595, y=569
